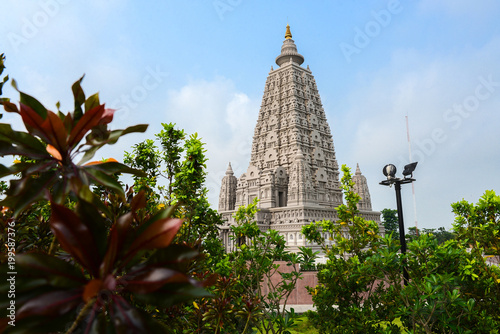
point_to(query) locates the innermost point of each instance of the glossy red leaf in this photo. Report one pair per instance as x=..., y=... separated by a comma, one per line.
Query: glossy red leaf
x=56, y=271
x=126, y=318
x=107, y=117
x=117, y=238
x=158, y=235
x=33, y=121
x=177, y=257
x=139, y=201
x=10, y=107
x=154, y=279
x=51, y=304
x=75, y=237
x=89, y=120
x=56, y=131
x=90, y=212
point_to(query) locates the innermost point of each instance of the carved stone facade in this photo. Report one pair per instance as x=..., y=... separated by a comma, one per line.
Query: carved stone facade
x=361, y=188
x=293, y=170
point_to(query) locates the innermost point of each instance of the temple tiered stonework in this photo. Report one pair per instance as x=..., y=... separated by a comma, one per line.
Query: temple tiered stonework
x=293, y=170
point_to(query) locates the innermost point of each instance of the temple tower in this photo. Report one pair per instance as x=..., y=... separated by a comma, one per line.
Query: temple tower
x=293, y=169
x=361, y=188
x=227, y=197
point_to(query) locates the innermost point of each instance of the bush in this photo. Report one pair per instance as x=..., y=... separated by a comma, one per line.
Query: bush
x=451, y=288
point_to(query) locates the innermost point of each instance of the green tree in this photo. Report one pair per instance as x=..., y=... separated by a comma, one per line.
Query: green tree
x=441, y=234
x=181, y=163
x=245, y=295
x=390, y=221
x=352, y=295
x=479, y=225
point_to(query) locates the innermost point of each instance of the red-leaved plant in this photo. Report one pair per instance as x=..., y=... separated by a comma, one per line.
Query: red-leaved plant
x=110, y=269
x=51, y=145
x=108, y=273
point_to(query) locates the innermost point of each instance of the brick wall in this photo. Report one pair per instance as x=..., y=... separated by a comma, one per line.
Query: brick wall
x=299, y=295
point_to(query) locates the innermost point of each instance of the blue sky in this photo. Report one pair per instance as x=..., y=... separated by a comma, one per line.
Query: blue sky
x=203, y=64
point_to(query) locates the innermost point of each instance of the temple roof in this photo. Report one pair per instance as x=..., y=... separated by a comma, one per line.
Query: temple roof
x=289, y=50
x=229, y=170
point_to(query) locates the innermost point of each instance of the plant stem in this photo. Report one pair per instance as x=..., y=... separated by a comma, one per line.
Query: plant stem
x=80, y=316
x=52, y=246
x=246, y=325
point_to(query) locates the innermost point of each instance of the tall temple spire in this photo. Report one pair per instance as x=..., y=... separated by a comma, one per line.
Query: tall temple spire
x=289, y=50
x=227, y=197
x=293, y=169
x=358, y=171
x=229, y=170
x=361, y=188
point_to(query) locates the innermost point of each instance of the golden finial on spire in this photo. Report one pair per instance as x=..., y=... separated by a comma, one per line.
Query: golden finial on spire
x=288, y=34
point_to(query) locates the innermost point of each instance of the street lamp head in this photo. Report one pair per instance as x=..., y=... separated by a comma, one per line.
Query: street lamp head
x=409, y=169
x=389, y=171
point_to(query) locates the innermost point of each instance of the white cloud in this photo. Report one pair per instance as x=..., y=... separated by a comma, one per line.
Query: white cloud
x=448, y=145
x=223, y=117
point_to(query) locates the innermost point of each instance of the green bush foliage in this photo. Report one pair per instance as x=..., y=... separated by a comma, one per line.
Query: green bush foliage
x=451, y=289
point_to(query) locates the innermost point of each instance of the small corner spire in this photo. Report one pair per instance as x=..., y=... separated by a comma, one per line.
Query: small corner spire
x=288, y=34
x=229, y=170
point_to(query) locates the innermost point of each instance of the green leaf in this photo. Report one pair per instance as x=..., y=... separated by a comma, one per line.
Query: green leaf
x=23, y=139
x=80, y=187
x=115, y=167
x=92, y=102
x=101, y=178
x=113, y=138
x=33, y=104
x=79, y=97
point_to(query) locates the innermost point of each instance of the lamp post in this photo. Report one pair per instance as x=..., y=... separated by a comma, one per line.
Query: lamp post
x=390, y=172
